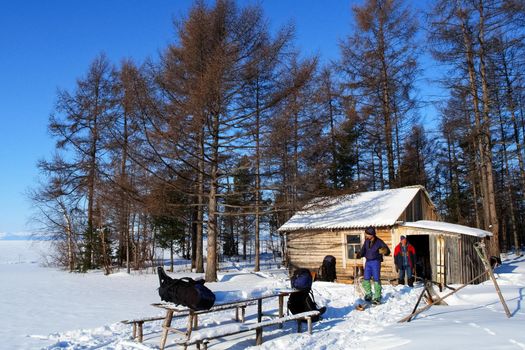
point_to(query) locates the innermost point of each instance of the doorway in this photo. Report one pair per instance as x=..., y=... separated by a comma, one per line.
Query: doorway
x=421, y=244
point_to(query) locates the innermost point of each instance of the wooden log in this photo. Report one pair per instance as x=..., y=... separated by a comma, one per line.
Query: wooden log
x=409, y=317
x=281, y=306
x=195, y=321
x=141, y=333
x=258, y=331
x=482, y=252
x=258, y=336
x=165, y=330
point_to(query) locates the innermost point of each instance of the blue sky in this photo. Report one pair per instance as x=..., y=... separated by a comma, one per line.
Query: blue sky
x=45, y=45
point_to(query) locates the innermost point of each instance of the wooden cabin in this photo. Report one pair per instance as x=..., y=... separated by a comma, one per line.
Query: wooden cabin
x=335, y=226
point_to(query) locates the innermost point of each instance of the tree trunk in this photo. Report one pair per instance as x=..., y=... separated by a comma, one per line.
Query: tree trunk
x=211, y=258
x=199, y=259
x=487, y=146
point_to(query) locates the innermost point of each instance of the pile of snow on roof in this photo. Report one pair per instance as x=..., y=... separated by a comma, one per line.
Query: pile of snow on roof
x=374, y=208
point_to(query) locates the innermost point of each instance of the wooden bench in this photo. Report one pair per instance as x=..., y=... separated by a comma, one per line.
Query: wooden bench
x=204, y=337
x=138, y=332
x=138, y=325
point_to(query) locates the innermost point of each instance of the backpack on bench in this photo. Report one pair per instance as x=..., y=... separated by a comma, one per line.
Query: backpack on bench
x=303, y=300
x=185, y=291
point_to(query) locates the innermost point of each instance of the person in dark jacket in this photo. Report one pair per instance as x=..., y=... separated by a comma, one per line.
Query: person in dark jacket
x=404, y=258
x=373, y=250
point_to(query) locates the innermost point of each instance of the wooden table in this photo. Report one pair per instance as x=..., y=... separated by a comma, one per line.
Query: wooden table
x=173, y=310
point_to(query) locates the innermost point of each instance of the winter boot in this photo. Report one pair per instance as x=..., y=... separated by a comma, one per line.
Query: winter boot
x=368, y=290
x=377, y=293
x=401, y=282
x=411, y=282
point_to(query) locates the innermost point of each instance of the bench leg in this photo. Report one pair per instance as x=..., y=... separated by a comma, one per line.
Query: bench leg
x=281, y=305
x=141, y=333
x=259, y=310
x=237, y=314
x=205, y=345
x=134, y=330
x=299, y=326
x=243, y=314
x=195, y=321
x=258, y=336
x=309, y=321
x=190, y=325
x=165, y=328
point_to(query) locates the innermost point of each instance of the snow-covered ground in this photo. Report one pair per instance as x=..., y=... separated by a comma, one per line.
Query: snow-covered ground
x=45, y=308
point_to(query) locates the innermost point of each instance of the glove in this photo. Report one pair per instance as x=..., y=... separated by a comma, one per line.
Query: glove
x=383, y=250
x=358, y=255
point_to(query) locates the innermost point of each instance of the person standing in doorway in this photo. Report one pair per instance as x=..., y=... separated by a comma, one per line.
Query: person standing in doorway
x=373, y=250
x=404, y=258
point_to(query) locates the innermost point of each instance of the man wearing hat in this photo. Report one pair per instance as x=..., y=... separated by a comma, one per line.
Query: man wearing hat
x=373, y=250
x=404, y=258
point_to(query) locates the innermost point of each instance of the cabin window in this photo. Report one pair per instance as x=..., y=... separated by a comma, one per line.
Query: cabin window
x=353, y=245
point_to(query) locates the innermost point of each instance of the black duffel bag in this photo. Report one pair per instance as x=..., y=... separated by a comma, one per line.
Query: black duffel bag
x=185, y=291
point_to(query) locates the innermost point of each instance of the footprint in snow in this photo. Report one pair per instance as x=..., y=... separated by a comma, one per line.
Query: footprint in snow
x=521, y=345
x=489, y=331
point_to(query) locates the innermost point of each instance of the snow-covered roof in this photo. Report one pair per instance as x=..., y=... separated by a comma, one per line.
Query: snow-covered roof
x=359, y=210
x=447, y=227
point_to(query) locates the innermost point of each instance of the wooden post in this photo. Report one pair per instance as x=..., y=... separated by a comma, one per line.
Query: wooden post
x=190, y=324
x=195, y=321
x=281, y=305
x=165, y=328
x=140, y=332
x=258, y=336
x=482, y=252
x=258, y=331
x=409, y=317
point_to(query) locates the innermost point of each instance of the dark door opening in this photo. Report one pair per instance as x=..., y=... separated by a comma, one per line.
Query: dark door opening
x=422, y=246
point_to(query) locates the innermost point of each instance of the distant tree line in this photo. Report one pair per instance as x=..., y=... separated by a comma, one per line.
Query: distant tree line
x=232, y=129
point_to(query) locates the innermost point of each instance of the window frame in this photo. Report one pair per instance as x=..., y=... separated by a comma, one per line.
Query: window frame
x=357, y=245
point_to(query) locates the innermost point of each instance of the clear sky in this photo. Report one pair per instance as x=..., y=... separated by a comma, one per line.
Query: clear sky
x=45, y=45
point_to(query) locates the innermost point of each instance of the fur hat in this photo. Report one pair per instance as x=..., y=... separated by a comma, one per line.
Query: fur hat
x=370, y=231
x=402, y=238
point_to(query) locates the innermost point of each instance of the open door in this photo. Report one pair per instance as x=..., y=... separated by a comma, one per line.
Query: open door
x=422, y=246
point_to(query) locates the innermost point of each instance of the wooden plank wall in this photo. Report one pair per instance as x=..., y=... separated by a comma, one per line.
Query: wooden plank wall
x=307, y=249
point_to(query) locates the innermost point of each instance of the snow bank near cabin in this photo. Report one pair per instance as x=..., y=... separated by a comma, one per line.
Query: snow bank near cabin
x=44, y=308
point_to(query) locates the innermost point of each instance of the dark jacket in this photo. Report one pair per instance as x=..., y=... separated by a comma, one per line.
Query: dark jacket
x=370, y=249
x=398, y=256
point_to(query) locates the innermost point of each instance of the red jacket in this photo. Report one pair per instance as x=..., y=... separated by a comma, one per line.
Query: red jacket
x=398, y=257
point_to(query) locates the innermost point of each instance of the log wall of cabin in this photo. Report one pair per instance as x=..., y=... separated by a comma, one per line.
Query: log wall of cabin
x=307, y=249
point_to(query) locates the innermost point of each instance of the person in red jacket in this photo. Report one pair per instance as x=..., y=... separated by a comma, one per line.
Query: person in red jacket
x=404, y=258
